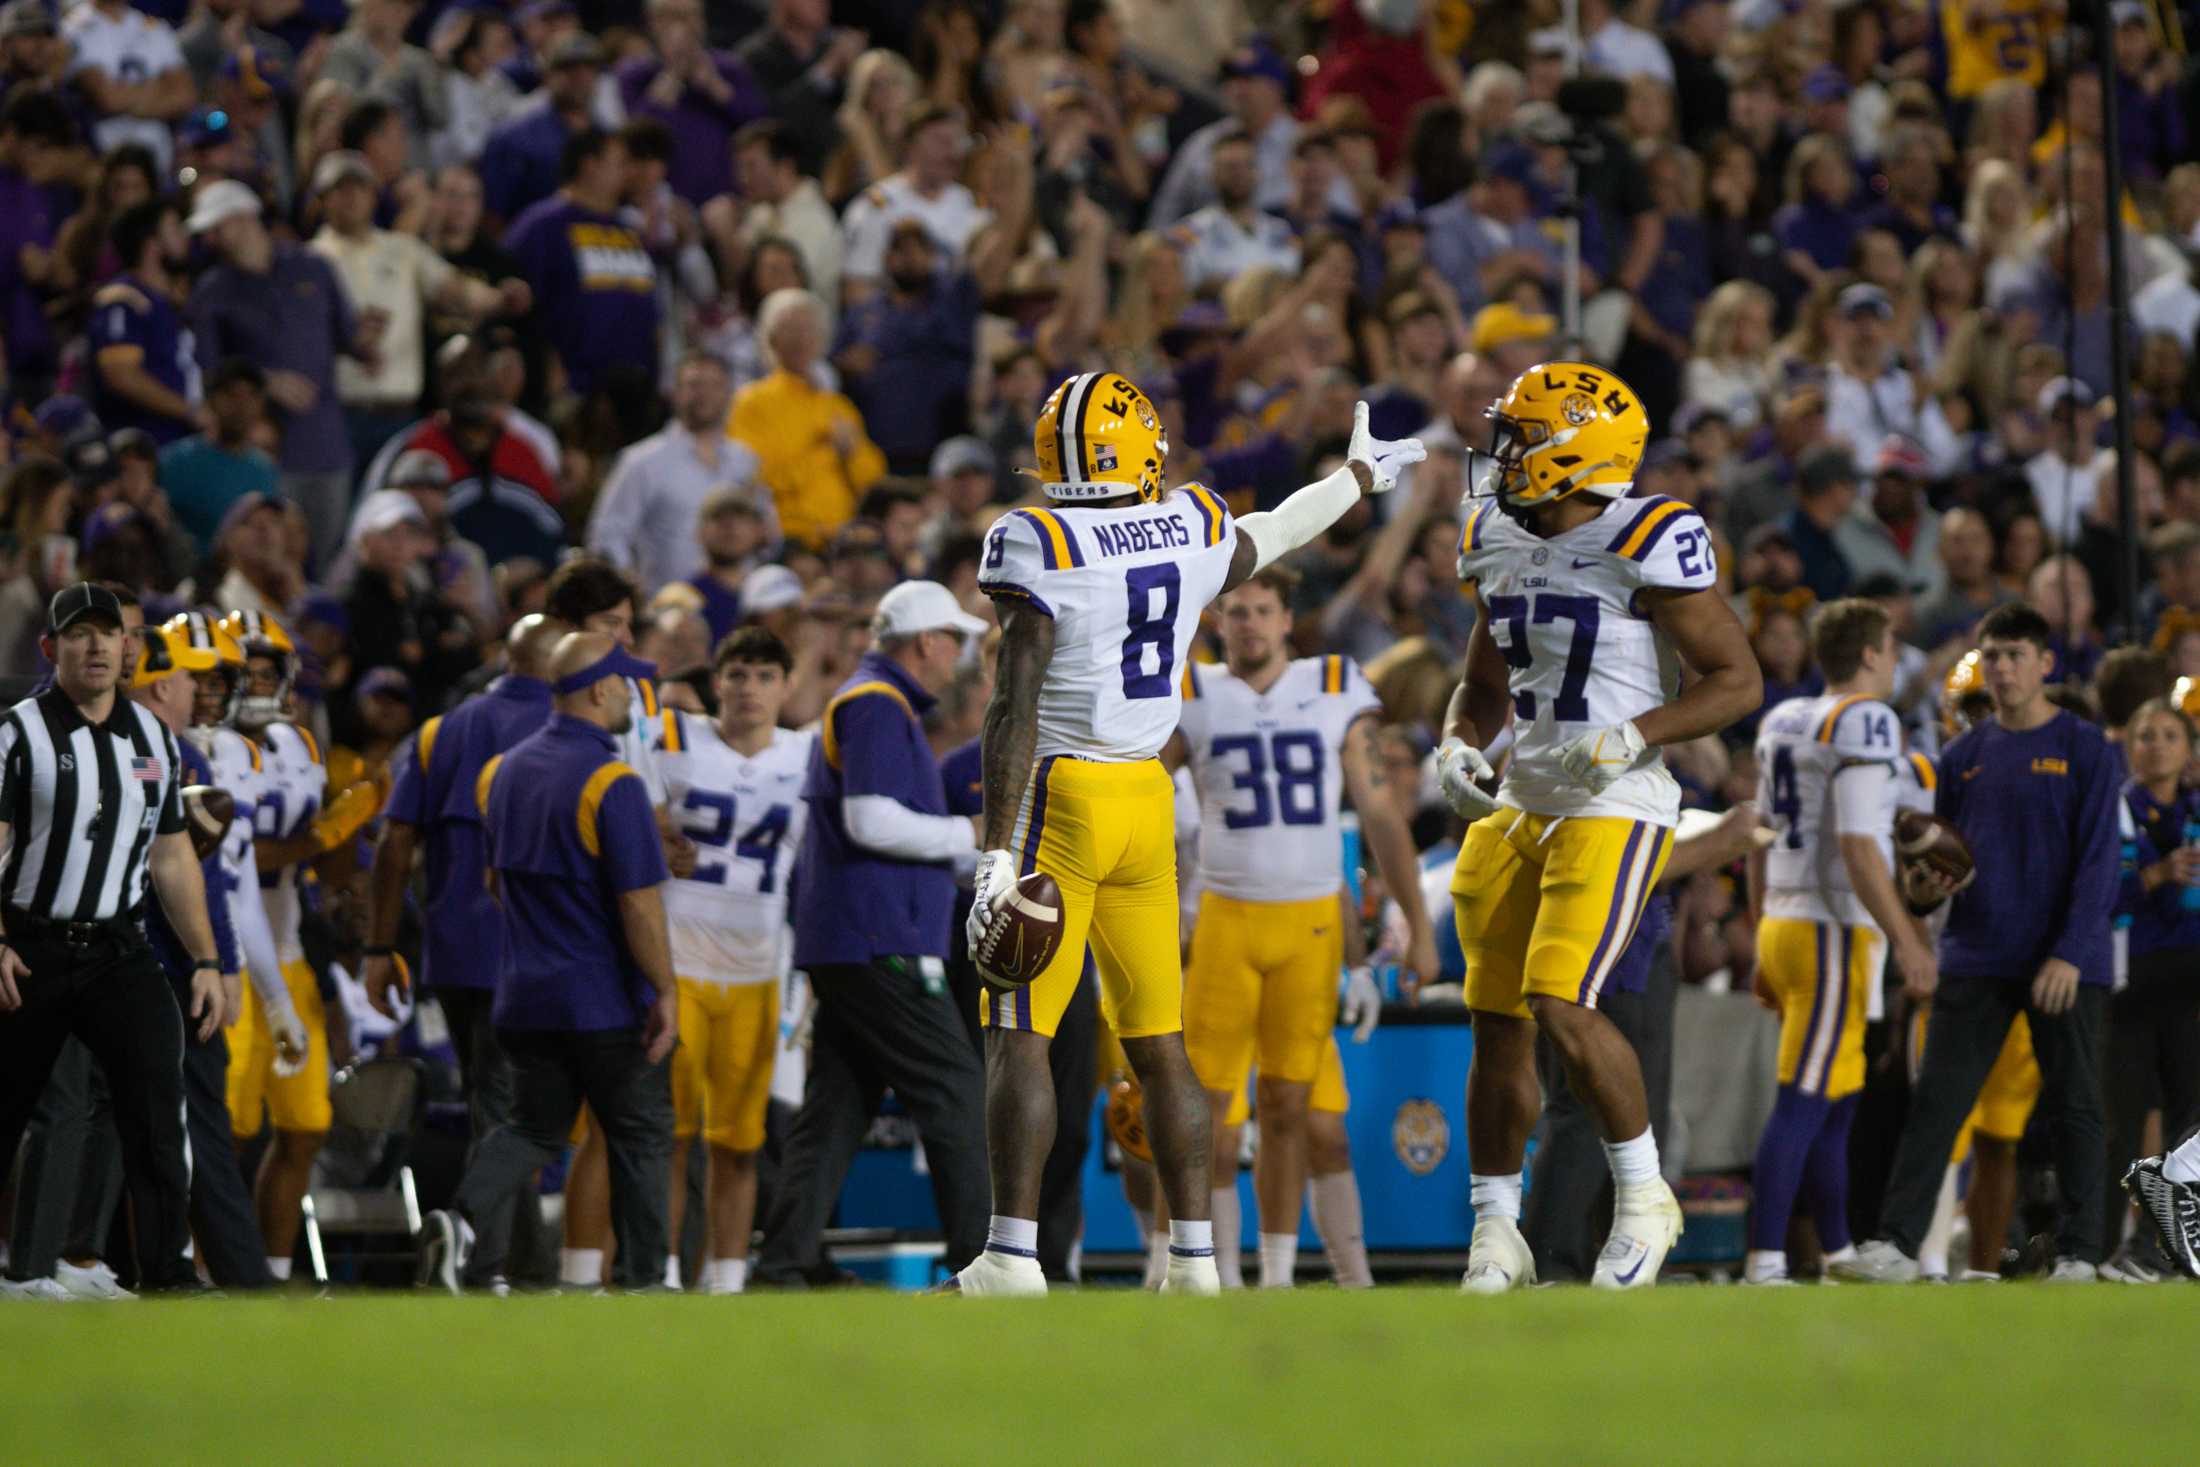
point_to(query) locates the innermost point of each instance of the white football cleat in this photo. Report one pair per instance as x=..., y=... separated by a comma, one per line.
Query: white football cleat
x=994, y=1275
x=95, y=1282
x=1877, y=1262
x=2074, y=1271
x=45, y=1290
x=1646, y=1223
x=1498, y=1260
x=1191, y=1273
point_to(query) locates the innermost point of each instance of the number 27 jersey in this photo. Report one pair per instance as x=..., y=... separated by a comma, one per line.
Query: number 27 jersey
x=1125, y=588
x=1580, y=649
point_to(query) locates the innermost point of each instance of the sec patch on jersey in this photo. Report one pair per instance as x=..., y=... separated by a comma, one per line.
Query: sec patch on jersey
x=1024, y=936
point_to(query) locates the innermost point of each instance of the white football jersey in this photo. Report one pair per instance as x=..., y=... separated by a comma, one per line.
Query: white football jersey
x=1802, y=748
x=729, y=919
x=292, y=788
x=1125, y=588
x=638, y=745
x=236, y=763
x=1580, y=651
x=1270, y=774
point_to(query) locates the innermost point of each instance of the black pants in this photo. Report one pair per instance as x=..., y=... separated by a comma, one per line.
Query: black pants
x=485, y=1080
x=72, y=1169
x=552, y=1074
x=111, y=994
x=880, y=1026
x=2153, y=1059
x=1971, y=1019
x=1569, y=1203
x=1074, y=1057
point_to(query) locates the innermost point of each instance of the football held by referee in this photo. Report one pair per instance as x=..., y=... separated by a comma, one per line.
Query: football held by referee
x=90, y=814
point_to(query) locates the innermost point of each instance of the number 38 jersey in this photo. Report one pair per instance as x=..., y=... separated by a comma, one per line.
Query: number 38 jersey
x=1580, y=650
x=1270, y=776
x=1125, y=588
x=1804, y=748
x=746, y=816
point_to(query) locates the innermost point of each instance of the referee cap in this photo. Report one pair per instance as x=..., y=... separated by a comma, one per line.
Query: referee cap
x=72, y=604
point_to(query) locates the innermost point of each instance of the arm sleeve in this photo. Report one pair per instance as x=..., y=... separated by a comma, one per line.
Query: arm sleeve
x=256, y=941
x=885, y=826
x=2096, y=861
x=1015, y=562
x=1359, y=693
x=626, y=838
x=1865, y=732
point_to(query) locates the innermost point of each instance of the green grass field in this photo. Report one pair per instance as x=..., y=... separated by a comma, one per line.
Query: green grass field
x=1970, y=1375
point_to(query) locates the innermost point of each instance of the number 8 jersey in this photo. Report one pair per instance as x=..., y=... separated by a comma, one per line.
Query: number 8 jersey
x=1125, y=588
x=1580, y=650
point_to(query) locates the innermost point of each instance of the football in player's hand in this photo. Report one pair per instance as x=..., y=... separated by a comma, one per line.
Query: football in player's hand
x=1936, y=860
x=1023, y=936
x=207, y=813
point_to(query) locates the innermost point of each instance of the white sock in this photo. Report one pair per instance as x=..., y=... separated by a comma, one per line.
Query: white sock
x=1279, y=1260
x=1016, y=1239
x=580, y=1266
x=1766, y=1263
x=725, y=1275
x=1190, y=1240
x=280, y=1267
x=1633, y=1162
x=1498, y=1195
x=2183, y=1164
x=1932, y=1252
x=1157, y=1259
x=1229, y=1224
x=672, y=1270
x=1143, y=1217
x=1334, y=1199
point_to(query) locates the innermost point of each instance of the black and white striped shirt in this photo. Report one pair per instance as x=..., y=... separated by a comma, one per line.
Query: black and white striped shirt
x=83, y=802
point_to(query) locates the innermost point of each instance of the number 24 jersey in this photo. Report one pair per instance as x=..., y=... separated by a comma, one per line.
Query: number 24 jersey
x=746, y=816
x=1580, y=650
x=1125, y=588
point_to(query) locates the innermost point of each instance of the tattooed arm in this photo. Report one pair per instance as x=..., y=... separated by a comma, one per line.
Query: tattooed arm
x=1012, y=717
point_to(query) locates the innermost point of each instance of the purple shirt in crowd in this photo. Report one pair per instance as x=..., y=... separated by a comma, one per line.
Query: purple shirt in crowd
x=30, y=214
x=701, y=167
x=595, y=289
x=295, y=318
x=565, y=845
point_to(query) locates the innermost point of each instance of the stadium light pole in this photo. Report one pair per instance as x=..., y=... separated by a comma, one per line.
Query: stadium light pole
x=2119, y=327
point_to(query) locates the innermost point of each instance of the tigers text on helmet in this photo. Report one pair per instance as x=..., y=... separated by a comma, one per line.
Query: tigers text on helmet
x=216, y=701
x=260, y=635
x=1097, y=437
x=1562, y=428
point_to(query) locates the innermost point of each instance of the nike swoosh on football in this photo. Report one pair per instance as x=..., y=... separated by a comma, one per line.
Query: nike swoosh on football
x=1580, y=564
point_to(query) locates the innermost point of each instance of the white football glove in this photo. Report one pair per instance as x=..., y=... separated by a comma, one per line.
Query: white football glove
x=1384, y=459
x=995, y=879
x=1599, y=757
x=1362, y=1007
x=290, y=1045
x=1458, y=765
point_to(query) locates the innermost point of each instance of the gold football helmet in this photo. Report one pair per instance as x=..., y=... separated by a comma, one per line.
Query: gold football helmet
x=217, y=697
x=1562, y=428
x=2186, y=695
x=1098, y=436
x=161, y=654
x=260, y=635
x=1963, y=696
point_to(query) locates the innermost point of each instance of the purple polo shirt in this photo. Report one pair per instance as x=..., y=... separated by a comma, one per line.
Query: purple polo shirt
x=462, y=943
x=295, y=318
x=853, y=905
x=701, y=166
x=570, y=830
x=595, y=289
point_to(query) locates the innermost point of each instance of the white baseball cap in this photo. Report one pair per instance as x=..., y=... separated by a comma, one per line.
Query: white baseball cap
x=385, y=509
x=922, y=606
x=219, y=202
x=769, y=588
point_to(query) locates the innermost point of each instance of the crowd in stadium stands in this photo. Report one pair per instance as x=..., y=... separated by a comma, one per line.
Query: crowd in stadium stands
x=364, y=316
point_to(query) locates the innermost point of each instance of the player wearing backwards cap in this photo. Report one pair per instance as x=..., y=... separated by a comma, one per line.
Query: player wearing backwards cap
x=1590, y=605
x=1829, y=775
x=1274, y=744
x=738, y=783
x=290, y=828
x=1099, y=597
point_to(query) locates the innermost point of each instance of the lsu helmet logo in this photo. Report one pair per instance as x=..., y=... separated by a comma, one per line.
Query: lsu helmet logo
x=1420, y=1135
x=1579, y=410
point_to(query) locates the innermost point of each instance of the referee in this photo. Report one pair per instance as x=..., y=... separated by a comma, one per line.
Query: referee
x=89, y=809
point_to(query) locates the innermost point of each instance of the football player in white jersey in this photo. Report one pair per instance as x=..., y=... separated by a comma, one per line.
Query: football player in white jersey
x=1590, y=606
x=736, y=787
x=1830, y=772
x=291, y=828
x=1275, y=744
x=1099, y=598
x=237, y=767
x=590, y=594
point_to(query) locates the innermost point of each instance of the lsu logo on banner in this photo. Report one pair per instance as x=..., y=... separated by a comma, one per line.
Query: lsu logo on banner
x=1420, y=1135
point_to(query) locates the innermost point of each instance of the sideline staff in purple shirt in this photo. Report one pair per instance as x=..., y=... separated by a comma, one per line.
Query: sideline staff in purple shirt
x=585, y=1002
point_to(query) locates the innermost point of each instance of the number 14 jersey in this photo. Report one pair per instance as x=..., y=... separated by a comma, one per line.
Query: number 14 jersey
x=746, y=815
x=1579, y=647
x=1125, y=588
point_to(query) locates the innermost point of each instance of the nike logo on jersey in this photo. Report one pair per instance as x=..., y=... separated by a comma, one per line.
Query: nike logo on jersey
x=1580, y=564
